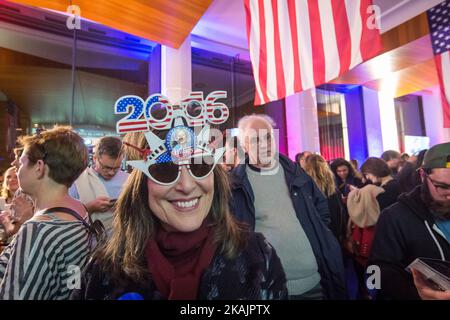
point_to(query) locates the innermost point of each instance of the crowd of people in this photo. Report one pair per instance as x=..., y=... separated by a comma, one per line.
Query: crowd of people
x=241, y=221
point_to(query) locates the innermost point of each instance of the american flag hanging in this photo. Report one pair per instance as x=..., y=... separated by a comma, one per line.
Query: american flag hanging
x=296, y=45
x=439, y=23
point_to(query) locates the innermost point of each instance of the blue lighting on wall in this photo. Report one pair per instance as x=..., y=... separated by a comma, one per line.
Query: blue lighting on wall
x=355, y=119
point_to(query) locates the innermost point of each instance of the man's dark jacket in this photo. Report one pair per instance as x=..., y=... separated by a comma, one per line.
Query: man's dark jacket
x=312, y=211
x=405, y=231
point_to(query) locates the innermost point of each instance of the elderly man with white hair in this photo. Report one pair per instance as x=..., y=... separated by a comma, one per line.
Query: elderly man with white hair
x=275, y=197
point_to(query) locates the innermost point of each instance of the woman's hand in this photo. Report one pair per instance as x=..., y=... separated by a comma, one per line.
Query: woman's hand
x=10, y=227
x=23, y=208
x=426, y=292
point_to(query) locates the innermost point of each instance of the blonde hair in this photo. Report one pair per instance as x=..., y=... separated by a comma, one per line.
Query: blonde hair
x=319, y=170
x=6, y=193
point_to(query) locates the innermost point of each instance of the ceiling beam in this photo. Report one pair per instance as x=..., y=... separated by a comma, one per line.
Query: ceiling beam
x=166, y=22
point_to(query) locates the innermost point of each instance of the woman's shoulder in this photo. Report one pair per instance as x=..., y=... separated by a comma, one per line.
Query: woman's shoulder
x=58, y=232
x=393, y=184
x=255, y=273
x=392, y=188
x=52, y=221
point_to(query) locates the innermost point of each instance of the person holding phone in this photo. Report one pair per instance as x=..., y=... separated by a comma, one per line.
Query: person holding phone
x=345, y=176
x=100, y=184
x=418, y=225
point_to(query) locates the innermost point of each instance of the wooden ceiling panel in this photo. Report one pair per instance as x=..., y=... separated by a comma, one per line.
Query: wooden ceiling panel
x=408, y=80
x=405, y=56
x=162, y=21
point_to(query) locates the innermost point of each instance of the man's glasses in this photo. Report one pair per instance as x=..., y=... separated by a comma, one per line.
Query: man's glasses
x=439, y=186
x=108, y=168
x=168, y=173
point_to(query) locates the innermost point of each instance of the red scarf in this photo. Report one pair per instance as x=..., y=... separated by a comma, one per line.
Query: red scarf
x=176, y=261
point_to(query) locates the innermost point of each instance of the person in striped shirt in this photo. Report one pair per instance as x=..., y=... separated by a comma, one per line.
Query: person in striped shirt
x=47, y=254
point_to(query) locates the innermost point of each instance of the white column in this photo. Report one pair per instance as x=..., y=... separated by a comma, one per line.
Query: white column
x=176, y=70
x=372, y=121
x=302, y=124
x=387, y=113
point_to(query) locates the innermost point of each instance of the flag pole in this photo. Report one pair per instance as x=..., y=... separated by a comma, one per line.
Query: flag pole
x=74, y=59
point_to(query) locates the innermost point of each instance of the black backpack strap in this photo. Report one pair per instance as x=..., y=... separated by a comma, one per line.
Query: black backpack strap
x=95, y=229
x=73, y=213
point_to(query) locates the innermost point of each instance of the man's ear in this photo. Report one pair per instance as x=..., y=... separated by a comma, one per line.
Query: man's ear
x=422, y=175
x=40, y=168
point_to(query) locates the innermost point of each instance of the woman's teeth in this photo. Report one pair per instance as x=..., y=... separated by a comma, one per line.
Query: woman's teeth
x=186, y=204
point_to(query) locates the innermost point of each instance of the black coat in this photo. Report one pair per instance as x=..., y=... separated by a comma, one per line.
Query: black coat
x=344, y=188
x=339, y=216
x=403, y=233
x=312, y=211
x=390, y=194
x=255, y=274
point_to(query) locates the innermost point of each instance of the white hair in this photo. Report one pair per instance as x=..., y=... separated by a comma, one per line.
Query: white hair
x=245, y=121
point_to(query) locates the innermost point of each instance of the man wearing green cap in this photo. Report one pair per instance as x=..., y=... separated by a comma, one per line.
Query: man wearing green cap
x=418, y=225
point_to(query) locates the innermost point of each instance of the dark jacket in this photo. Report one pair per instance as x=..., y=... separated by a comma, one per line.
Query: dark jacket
x=339, y=216
x=344, y=187
x=255, y=274
x=408, y=178
x=390, y=194
x=312, y=211
x=404, y=232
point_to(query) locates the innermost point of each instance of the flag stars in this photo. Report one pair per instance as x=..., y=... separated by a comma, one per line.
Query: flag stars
x=124, y=103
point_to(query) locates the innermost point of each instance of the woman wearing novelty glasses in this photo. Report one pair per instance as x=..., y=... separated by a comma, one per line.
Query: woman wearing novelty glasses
x=174, y=237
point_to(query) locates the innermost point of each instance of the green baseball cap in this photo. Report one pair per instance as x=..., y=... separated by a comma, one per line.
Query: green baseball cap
x=437, y=156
